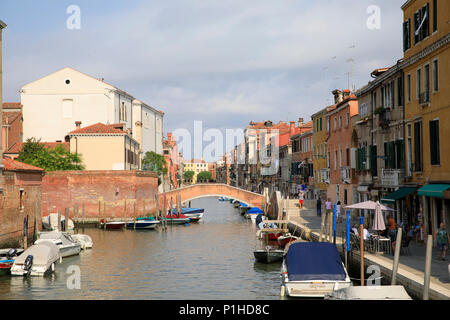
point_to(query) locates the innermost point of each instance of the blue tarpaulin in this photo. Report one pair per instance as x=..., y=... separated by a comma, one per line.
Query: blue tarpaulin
x=314, y=261
x=255, y=210
x=243, y=205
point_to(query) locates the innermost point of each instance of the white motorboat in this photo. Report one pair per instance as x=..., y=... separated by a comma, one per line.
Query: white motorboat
x=37, y=260
x=66, y=244
x=50, y=222
x=312, y=269
x=369, y=293
x=85, y=241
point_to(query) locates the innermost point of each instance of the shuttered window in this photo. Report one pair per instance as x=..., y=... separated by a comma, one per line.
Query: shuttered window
x=418, y=146
x=400, y=154
x=407, y=35
x=373, y=161
x=434, y=15
x=434, y=143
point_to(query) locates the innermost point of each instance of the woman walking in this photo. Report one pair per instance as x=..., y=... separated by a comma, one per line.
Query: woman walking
x=442, y=240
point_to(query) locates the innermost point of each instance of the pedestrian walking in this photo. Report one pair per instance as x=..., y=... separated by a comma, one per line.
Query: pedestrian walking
x=442, y=240
x=301, y=198
x=319, y=206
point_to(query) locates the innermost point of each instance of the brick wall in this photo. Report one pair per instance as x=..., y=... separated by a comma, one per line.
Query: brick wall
x=67, y=189
x=11, y=214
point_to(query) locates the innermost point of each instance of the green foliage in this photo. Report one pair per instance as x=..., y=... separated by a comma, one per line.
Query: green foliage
x=188, y=175
x=204, y=176
x=56, y=159
x=155, y=162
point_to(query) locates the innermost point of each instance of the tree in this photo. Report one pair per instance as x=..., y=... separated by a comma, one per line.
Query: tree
x=188, y=175
x=155, y=162
x=57, y=159
x=204, y=176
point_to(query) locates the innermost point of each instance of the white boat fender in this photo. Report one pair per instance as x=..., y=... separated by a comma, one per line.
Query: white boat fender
x=336, y=285
x=53, y=266
x=60, y=259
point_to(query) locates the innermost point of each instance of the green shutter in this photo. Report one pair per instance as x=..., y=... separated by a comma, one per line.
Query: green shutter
x=434, y=142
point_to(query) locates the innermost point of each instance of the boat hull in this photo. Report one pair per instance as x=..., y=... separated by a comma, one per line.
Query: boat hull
x=68, y=251
x=112, y=225
x=148, y=225
x=5, y=267
x=268, y=256
x=284, y=240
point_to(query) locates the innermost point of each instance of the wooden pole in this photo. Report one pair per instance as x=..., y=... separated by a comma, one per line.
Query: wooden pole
x=100, y=213
x=59, y=220
x=66, y=219
x=426, y=282
x=322, y=226
x=334, y=225
x=347, y=240
x=83, y=212
x=134, y=215
x=398, y=245
x=25, y=238
x=163, y=214
x=104, y=212
x=361, y=236
x=330, y=227
x=36, y=221
x=124, y=207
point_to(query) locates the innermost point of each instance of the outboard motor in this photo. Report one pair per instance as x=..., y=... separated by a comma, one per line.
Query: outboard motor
x=28, y=264
x=11, y=253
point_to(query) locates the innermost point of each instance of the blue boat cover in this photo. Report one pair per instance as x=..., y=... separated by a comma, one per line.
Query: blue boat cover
x=146, y=218
x=188, y=210
x=314, y=261
x=243, y=205
x=255, y=210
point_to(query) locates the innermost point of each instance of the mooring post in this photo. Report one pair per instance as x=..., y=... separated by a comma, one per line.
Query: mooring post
x=66, y=219
x=25, y=238
x=334, y=224
x=398, y=245
x=361, y=235
x=36, y=221
x=163, y=214
x=322, y=226
x=330, y=227
x=347, y=241
x=83, y=211
x=134, y=215
x=59, y=220
x=426, y=282
x=124, y=207
x=100, y=213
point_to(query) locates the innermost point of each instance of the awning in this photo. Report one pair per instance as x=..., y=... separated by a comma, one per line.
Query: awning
x=433, y=190
x=399, y=194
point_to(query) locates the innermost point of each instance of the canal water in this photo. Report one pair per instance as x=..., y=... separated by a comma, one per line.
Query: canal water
x=211, y=260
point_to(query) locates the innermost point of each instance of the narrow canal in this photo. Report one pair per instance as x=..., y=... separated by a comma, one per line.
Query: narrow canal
x=211, y=260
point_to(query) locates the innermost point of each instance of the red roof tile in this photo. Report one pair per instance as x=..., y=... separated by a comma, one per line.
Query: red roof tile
x=13, y=165
x=98, y=128
x=11, y=105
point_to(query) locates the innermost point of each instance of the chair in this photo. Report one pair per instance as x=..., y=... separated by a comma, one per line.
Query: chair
x=405, y=246
x=354, y=241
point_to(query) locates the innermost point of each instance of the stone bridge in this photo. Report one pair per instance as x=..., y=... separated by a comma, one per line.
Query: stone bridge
x=196, y=191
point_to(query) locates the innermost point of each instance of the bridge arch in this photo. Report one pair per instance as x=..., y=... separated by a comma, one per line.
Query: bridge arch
x=197, y=191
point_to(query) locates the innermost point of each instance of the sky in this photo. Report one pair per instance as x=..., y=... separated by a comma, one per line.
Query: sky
x=222, y=62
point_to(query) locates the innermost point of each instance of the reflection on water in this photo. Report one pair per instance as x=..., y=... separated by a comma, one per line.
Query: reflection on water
x=209, y=260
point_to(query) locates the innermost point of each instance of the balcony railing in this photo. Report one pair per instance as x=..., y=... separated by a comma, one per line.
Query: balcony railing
x=345, y=174
x=392, y=177
x=424, y=97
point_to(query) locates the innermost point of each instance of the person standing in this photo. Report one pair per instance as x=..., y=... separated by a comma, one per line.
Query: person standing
x=319, y=206
x=301, y=198
x=442, y=240
x=328, y=205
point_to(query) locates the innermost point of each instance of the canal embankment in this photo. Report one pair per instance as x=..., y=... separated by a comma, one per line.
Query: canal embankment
x=410, y=274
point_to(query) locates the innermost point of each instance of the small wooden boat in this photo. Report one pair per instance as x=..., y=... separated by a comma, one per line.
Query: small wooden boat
x=143, y=224
x=237, y=204
x=264, y=231
x=175, y=219
x=312, y=269
x=37, y=260
x=111, y=225
x=243, y=208
x=5, y=267
x=231, y=200
x=269, y=254
x=253, y=213
x=284, y=239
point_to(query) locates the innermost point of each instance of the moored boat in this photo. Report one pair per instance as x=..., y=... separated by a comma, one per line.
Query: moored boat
x=284, y=239
x=7, y=257
x=143, y=224
x=84, y=240
x=175, y=219
x=66, y=244
x=237, y=204
x=312, y=269
x=111, y=225
x=243, y=208
x=269, y=254
x=253, y=213
x=265, y=233
x=37, y=260
x=369, y=293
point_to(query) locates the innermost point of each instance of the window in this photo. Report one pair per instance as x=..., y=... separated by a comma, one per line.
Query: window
x=373, y=160
x=347, y=157
x=400, y=91
x=340, y=122
x=328, y=124
x=67, y=108
x=407, y=35
x=426, y=78
x=435, y=75
x=347, y=119
x=340, y=158
x=434, y=15
x=409, y=149
x=335, y=123
x=408, y=88
x=434, y=143
x=418, y=146
x=418, y=83
x=421, y=24
x=335, y=160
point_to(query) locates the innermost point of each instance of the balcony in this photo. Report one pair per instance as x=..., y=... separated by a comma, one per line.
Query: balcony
x=325, y=175
x=346, y=174
x=424, y=97
x=391, y=177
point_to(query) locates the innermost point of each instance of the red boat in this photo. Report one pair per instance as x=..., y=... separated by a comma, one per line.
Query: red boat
x=285, y=239
x=111, y=225
x=271, y=236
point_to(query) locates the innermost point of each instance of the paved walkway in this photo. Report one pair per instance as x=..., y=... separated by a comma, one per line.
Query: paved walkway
x=413, y=264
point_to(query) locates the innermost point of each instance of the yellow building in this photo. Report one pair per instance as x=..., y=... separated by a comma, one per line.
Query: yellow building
x=105, y=147
x=194, y=165
x=426, y=43
x=321, y=172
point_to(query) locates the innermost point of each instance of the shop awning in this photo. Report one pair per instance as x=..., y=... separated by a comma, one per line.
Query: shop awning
x=399, y=194
x=433, y=190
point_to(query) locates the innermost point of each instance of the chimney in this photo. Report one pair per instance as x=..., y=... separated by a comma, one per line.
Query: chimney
x=337, y=96
x=346, y=93
x=78, y=124
x=301, y=121
x=292, y=127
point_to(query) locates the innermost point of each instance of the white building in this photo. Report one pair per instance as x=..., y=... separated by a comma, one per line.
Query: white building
x=52, y=104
